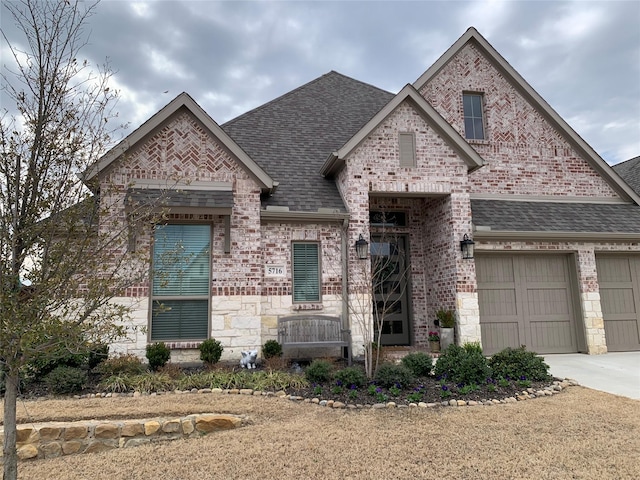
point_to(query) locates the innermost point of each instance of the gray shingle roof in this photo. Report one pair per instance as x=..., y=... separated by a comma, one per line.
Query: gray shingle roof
x=292, y=136
x=556, y=217
x=179, y=198
x=630, y=172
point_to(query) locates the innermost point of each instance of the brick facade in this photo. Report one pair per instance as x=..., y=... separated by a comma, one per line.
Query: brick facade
x=524, y=155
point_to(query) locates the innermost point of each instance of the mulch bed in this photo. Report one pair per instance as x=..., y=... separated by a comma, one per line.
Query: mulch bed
x=427, y=390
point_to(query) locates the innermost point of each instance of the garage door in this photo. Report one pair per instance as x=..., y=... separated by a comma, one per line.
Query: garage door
x=526, y=300
x=619, y=280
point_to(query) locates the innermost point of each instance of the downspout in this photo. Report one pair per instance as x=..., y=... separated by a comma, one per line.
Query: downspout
x=346, y=322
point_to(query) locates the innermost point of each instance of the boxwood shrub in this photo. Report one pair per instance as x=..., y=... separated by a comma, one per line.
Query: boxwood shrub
x=459, y=365
x=419, y=363
x=390, y=374
x=518, y=363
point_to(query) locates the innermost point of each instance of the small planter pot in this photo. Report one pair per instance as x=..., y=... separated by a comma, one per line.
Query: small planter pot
x=446, y=337
x=434, y=346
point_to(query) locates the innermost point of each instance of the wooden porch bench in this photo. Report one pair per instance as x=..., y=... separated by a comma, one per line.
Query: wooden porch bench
x=313, y=331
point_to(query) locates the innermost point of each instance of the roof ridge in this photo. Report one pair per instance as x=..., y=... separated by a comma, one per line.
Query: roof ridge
x=297, y=89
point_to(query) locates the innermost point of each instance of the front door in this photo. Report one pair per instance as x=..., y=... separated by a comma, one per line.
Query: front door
x=390, y=271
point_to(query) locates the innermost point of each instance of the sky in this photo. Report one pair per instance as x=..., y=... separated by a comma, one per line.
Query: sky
x=582, y=56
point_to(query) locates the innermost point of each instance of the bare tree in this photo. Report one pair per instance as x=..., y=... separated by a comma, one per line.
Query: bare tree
x=60, y=266
x=375, y=291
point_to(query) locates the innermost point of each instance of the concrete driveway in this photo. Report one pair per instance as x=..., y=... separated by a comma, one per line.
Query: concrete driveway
x=617, y=372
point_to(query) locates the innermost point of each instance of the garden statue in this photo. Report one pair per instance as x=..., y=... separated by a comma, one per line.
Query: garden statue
x=248, y=359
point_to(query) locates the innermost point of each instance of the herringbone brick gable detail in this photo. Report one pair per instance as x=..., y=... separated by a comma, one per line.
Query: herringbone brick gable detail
x=524, y=153
x=181, y=149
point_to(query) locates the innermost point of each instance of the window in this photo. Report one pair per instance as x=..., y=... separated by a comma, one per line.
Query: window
x=473, y=121
x=181, y=282
x=306, y=272
x=407, y=149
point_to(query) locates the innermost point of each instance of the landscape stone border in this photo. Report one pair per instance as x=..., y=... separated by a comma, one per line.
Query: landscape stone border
x=54, y=439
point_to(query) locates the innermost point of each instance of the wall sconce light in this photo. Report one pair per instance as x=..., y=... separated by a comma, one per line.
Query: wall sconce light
x=362, y=248
x=466, y=245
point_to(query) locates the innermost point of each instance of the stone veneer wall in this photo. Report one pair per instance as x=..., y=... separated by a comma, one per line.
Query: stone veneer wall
x=55, y=439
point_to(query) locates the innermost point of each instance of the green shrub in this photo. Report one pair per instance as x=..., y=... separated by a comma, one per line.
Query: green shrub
x=127, y=364
x=65, y=379
x=211, y=351
x=419, y=363
x=318, y=372
x=351, y=376
x=271, y=349
x=516, y=363
x=446, y=318
x=158, y=355
x=61, y=355
x=459, y=365
x=473, y=347
x=151, y=382
x=389, y=374
x=116, y=383
x=98, y=353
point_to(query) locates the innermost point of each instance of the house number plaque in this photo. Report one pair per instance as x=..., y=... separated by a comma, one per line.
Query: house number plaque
x=274, y=271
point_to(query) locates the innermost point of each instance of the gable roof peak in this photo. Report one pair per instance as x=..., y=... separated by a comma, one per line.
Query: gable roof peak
x=535, y=100
x=182, y=100
x=335, y=161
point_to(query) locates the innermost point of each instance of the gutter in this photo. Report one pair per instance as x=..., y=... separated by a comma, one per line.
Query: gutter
x=284, y=215
x=555, y=236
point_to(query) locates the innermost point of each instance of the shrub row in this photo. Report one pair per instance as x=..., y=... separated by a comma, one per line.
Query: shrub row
x=461, y=365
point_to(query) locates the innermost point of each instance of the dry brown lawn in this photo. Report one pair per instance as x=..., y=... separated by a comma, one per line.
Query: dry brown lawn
x=579, y=434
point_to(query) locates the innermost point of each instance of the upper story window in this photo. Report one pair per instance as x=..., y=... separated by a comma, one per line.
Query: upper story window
x=473, y=116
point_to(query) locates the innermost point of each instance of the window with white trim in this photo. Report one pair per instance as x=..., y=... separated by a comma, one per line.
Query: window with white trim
x=472, y=104
x=181, y=286
x=306, y=272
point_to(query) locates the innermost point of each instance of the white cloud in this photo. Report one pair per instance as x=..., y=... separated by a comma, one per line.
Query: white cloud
x=165, y=66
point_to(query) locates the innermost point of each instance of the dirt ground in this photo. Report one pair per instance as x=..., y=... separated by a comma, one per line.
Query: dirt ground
x=579, y=434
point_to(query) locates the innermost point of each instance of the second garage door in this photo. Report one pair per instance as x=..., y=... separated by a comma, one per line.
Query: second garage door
x=619, y=280
x=526, y=300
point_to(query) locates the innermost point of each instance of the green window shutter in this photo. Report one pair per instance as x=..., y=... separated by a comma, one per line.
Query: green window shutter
x=306, y=272
x=181, y=258
x=179, y=320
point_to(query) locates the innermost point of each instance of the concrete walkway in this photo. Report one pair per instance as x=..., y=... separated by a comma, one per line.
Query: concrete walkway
x=617, y=373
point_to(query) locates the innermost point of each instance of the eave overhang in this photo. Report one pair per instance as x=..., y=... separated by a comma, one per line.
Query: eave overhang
x=557, y=236
x=302, y=217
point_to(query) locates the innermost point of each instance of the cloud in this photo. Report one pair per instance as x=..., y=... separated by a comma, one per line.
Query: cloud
x=582, y=57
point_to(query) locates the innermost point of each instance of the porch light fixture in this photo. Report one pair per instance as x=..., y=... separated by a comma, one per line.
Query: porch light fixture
x=362, y=248
x=466, y=245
